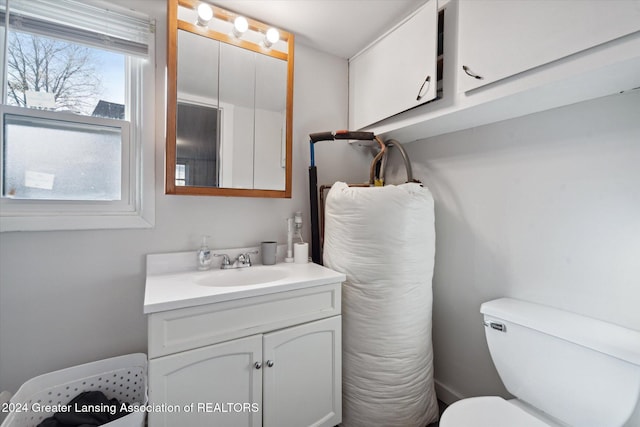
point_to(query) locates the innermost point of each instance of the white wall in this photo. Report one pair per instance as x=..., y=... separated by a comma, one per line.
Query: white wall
x=72, y=297
x=544, y=208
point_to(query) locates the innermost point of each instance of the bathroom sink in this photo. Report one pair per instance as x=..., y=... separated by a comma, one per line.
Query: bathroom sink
x=173, y=282
x=242, y=276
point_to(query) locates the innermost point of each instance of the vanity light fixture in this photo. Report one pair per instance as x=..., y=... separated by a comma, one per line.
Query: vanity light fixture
x=271, y=37
x=205, y=13
x=240, y=26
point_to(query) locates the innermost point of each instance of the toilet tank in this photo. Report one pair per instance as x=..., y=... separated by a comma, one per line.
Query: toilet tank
x=582, y=371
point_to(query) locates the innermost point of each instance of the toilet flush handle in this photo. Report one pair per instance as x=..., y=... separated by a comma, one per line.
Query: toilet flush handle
x=496, y=325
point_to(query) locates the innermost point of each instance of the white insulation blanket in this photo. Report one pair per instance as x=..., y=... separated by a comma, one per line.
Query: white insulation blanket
x=383, y=239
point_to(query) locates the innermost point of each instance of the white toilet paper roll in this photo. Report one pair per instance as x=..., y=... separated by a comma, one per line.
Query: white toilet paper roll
x=301, y=253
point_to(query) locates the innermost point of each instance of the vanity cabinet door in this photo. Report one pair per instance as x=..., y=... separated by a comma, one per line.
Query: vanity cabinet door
x=220, y=374
x=499, y=39
x=397, y=72
x=303, y=375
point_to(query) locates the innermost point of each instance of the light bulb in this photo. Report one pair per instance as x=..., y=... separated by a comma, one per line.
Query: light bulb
x=205, y=13
x=271, y=37
x=240, y=26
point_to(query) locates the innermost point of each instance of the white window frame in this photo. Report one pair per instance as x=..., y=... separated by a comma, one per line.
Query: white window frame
x=137, y=207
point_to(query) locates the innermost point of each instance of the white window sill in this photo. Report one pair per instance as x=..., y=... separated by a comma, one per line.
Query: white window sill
x=73, y=222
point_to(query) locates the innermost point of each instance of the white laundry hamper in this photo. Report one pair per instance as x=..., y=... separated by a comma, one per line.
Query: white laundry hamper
x=123, y=378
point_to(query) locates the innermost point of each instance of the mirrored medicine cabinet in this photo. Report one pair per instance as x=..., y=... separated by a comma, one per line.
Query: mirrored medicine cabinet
x=229, y=104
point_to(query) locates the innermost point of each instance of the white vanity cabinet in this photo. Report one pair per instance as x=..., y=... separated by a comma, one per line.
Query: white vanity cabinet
x=499, y=39
x=269, y=360
x=397, y=72
x=302, y=375
x=219, y=374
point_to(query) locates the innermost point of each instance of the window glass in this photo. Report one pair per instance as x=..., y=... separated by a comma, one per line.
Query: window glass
x=181, y=174
x=58, y=75
x=57, y=160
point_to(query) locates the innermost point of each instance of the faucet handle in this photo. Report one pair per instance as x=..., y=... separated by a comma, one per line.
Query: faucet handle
x=247, y=257
x=225, y=259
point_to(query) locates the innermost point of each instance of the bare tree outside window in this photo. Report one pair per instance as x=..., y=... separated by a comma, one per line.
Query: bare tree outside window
x=68, y=71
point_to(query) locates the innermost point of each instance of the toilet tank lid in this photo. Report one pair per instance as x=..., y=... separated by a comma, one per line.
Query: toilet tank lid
x=614, y=340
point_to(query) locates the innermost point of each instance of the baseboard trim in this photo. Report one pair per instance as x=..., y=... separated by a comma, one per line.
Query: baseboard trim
x=446, y=393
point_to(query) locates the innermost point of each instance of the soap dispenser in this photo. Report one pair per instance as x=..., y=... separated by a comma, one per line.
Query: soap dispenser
x=204, y=255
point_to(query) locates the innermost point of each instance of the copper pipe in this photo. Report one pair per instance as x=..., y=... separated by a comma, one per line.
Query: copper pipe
x=376, y=159
x=405, y=157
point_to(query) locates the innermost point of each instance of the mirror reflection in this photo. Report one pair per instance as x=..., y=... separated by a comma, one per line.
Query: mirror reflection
x=197, y=116
x=231, y=120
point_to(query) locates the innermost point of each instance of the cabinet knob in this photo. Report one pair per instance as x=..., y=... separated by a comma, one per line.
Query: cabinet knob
x=257, y=365
x=270, y=363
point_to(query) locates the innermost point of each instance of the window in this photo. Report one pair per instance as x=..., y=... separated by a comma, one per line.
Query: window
x=181, y=174
x=77, y=84
x=197, y=145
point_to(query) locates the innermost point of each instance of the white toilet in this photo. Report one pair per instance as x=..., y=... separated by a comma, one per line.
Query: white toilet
x=563, y=368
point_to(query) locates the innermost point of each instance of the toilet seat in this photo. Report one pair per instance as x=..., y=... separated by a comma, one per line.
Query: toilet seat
x=488, y=411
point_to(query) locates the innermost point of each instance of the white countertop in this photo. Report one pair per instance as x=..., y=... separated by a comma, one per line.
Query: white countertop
x=169, y=290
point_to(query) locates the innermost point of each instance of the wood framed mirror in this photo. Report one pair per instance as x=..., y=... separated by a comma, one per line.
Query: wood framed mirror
x=229, y=104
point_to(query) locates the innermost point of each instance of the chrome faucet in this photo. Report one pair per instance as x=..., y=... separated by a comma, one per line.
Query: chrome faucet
x=241, y=261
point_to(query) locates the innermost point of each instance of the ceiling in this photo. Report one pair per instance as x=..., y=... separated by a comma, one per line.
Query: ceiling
x=339, y=27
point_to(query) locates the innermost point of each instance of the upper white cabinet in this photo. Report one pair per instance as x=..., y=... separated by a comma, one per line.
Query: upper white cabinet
x=397, y=72
x=498, y=39
x=528, y=56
